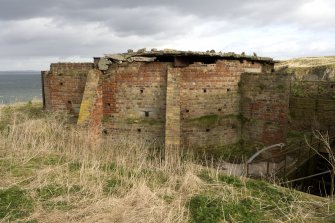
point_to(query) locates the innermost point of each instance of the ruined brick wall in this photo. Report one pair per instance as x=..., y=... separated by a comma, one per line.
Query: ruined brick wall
x=264, y=107
x=209, y=101
x=312, y=105
x=134, y=101
x=64, y=85
x=195, y=105
x=176, y=102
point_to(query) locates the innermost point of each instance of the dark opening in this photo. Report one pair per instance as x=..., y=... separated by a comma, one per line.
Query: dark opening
x=165, y=58
x=219, y=109
x=205, y=90
x=139, y=130
x=105, y=131
x=108, y=104
x=141, y=91
x=208, y=60
x=252, y=62
x=69, y=102
x=207, y=130
x=190, y=59
x=61, y=83
x=332, y=86
x=318, y=185
x=228, y=89
x=146, y=114
x=187, y=111
x=241, y=61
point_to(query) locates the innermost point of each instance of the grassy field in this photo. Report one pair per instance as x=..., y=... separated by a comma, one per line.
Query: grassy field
x=54, y=171
x=308, y=62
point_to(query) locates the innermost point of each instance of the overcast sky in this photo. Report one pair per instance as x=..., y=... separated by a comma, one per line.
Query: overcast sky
x=34, y=33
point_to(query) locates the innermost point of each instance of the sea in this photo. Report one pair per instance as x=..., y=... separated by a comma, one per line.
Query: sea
x=20, y=86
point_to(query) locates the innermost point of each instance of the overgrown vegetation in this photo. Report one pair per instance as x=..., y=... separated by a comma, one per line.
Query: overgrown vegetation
x=234, y=153
x=52, y=171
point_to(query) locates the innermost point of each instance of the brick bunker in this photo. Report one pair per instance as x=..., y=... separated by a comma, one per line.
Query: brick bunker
x=176, y=98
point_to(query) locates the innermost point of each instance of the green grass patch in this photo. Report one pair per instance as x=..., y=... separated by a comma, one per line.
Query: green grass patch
x=15, y=203
x=221, y=178
x=111, y=185
x=271, y=197
x=213, y=209
x=232, y=180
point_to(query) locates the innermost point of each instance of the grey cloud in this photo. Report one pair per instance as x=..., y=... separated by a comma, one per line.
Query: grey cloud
x=43, y=28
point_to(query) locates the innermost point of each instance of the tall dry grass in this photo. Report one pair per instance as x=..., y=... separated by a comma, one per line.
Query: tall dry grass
x=73, y=176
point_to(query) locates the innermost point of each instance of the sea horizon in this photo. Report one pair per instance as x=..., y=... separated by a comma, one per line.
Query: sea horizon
x=20, y=86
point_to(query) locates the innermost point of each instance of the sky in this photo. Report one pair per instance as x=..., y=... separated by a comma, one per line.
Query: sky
x=34, y=33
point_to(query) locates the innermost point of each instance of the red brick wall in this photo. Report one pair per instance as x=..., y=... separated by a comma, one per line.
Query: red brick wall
x=210, y=91
x=265, y=107
x=131, y=100
x=64, y=85
x=129, y=91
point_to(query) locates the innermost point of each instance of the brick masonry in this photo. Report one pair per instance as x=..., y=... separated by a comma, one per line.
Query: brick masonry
x=190, y=101
x=312, y=105
x=265, y=107
x=64, y=86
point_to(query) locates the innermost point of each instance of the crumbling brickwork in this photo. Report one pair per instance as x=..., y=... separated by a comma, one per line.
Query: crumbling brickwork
x=64, y=86
x=210, y=102
x=176, y=98
x=265, y=107
x=134, y=98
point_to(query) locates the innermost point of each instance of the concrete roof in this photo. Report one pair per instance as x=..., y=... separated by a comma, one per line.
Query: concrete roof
x=178, y=53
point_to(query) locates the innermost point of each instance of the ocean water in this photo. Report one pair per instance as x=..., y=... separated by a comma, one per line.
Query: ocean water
x=20, y=86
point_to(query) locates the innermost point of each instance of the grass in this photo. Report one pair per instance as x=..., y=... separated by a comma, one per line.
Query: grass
x=15, y=203
x=212, y=209
x=53, y=171
x=234, y=153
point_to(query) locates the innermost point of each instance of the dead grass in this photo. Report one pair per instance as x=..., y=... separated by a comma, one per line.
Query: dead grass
x=65, y=174
x=308, y=62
